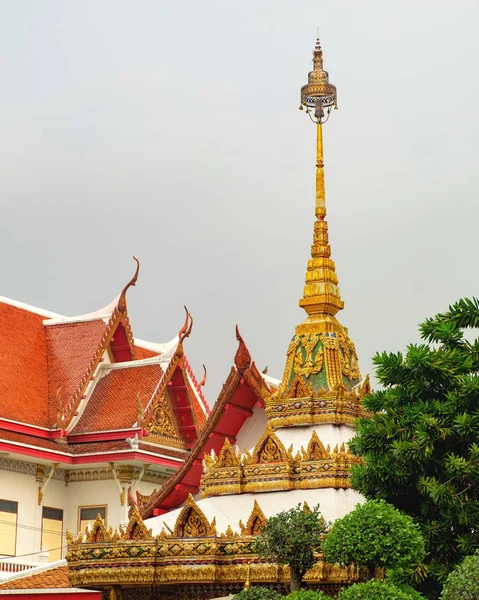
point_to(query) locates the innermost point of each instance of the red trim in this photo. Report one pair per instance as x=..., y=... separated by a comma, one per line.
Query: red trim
x=81, y=438
x=91, y=458
x=46, y=434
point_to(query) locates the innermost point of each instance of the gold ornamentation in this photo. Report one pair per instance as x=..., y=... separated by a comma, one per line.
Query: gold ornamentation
x=192, y=523
x=270, y=467
x=136, y=528
x=161, y=426
x=98, y=532
x=255, y=523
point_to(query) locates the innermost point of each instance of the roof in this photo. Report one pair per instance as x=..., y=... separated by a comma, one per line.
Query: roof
x=242, y=390
x=23, y=366
x=51, y=576
x=70, y=386
x=113, y=403
x=70, y=349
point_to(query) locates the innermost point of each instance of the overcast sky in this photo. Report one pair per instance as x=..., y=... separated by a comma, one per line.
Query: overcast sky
x=170, y=129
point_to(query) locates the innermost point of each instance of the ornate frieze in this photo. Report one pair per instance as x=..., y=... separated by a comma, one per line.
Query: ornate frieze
x=25, y=468
x=193, y=553
x=271, y=467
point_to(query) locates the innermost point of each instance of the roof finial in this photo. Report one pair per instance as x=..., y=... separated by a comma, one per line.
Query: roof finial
x=132, y=282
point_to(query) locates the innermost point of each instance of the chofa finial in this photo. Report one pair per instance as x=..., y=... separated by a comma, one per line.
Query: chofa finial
x=132, y=282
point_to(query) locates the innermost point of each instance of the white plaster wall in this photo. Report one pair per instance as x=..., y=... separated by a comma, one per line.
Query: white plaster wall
x=253, y=428
x=24, y=490
x=327, y=433
x=228, y=510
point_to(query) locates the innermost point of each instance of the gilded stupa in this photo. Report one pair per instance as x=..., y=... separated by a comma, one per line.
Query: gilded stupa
x=266, y=446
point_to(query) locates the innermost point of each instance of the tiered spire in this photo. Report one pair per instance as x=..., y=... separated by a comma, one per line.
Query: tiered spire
x=321, y=381
x=321, y=291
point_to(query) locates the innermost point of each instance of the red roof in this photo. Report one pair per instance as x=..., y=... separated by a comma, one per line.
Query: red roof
x=70, y=349
x=113, y=403
x=37, y=359
x=23, y=366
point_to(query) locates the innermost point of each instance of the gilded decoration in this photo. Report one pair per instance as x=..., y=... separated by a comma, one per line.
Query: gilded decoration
x=271, y=467
x=192, y=523
x=161, y=426
x=255, y=523
x=133, y=557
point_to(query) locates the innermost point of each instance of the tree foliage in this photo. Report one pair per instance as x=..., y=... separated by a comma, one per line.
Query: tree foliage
x=290, y=538
x=376, y=589
x=307, y=595
x=421, y=447
x=258, y=593
x=463, y=582
x=373, y=535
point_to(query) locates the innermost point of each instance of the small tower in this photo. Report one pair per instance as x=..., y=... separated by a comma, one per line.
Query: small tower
x=321, y=381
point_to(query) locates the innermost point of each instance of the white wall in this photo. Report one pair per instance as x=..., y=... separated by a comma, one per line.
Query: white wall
x=23, y=489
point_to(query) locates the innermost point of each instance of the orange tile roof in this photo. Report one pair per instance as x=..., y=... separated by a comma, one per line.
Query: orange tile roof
x=49, y=579
x=142, y=353
x=113, y=403
x=23, y=366
x=70, y=349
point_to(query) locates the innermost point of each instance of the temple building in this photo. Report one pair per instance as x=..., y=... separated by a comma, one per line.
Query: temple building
x=90, y=417
x=266, y=446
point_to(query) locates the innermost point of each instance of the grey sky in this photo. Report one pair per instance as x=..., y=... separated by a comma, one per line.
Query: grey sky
x=170, y=130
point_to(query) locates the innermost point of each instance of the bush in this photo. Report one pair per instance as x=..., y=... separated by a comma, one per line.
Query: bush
x=463, y=582
x=378, y=590
x=373, y=535
x=307, y=595
x=258, y=593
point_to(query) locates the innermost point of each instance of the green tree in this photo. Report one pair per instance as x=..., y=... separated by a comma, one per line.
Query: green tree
x=307, y=595
x=258, y=593
x=375, y=535
x=290, y=538
x=378, y=590
x=420, y=449
x=463, y=582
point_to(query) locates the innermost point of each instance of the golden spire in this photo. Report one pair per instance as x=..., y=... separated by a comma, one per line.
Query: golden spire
x=321, y=292
x=321, y=381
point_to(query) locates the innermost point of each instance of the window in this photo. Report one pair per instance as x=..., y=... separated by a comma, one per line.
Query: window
x=52, y=532
x=88, y=514
x=8, y=527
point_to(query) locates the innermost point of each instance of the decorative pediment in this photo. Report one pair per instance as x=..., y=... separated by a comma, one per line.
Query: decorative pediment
x=255, y=523
x=315, y=450
x=136, y=528
x=228, y=457
x=268, y=449
x=161, y=425
x=192, y=522
x=98, y=532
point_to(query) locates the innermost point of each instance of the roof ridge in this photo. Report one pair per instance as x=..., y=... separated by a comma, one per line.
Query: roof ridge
x=30, y=308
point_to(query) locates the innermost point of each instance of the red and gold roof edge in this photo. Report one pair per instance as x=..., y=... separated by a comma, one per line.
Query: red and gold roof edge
x=244, y=373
